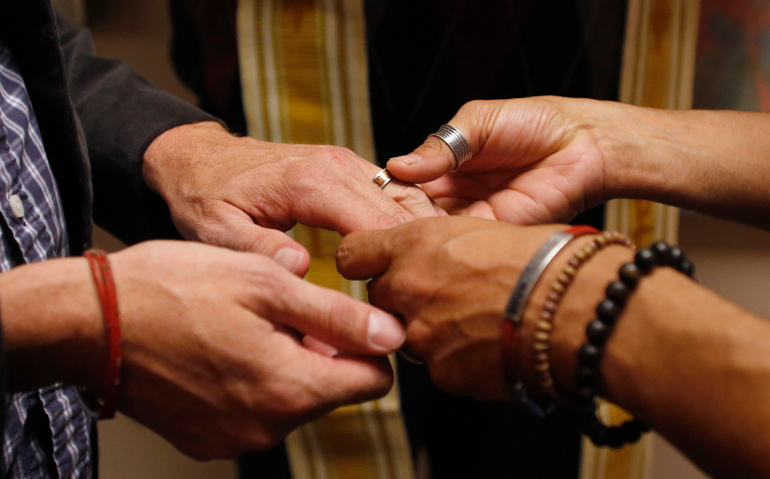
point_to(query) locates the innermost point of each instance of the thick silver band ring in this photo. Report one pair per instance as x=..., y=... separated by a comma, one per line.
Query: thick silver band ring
x=456, y=142
x=382, y=178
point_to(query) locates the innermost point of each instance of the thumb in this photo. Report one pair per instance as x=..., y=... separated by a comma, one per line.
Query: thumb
x=430, y=161
x=433, y=159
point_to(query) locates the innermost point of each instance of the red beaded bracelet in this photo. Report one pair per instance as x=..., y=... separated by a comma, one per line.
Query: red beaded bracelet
x=102, y=273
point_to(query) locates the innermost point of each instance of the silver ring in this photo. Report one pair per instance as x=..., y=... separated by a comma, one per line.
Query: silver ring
x=382, y=178
x=456, y=142
x=409, y=356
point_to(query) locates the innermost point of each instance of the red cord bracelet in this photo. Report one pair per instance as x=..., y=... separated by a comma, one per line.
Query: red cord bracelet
x=102, y=273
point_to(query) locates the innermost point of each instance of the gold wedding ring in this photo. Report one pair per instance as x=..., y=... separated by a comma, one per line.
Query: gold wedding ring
x=383, y=178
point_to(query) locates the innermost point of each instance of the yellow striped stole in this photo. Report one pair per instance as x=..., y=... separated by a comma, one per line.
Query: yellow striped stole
x=304, y=78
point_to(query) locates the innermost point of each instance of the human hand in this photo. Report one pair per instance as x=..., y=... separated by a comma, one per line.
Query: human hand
x=535, y=160
x=450, y=278
x=212, y=359
x=238, y=192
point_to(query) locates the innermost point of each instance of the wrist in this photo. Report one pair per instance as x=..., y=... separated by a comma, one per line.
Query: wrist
x=52, y=325
x=185, y=141
x=576, y=308
x=618, y=133
x=638, y=145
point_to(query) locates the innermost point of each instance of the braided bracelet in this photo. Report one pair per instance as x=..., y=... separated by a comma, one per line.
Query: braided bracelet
x=105, y=285
x=598, y=331
x=545, y=326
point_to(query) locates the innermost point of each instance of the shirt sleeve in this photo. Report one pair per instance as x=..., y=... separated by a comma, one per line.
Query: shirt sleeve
x=3, y=389
x=121, y=113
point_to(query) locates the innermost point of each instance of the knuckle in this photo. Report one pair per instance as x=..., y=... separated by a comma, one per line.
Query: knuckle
x=344, y=254
x=264, y=278
x=263, y=269
x=338, y=155
x=339, y=318
x=419, y=336
x=412, y=196
x=436, y=146
x=386, y=221
x=472, y=108
x=256, y=243
x=415, y=193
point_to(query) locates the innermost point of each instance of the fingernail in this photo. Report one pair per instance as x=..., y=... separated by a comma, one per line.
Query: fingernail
x=409, y=160
x=385, y=332
x=289, y=258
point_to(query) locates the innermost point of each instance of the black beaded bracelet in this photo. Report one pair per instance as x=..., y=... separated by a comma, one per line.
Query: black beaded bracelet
x=599, y=330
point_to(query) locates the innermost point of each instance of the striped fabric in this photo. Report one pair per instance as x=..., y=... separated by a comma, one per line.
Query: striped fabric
x=304, y=80
x=46, y=431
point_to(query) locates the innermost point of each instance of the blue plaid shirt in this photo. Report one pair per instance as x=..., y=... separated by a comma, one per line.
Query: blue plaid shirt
x=47, y=432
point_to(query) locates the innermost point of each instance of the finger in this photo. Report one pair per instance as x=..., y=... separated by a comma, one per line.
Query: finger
x=349, y=380
x=345, y=210
x=337, y=319
x=431, y=160
x=239, y=232
x=412, y=199
x=399, y=200
x=409, y=198
x=364, y=254
x=477, y=209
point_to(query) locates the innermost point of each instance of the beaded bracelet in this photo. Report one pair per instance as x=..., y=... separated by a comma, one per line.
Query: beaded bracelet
x=545, y=326
x=519, y=297
x=600, y=329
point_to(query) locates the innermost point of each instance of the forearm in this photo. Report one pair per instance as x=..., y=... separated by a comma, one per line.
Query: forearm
x=688, y=363
x=52, y=325
x=715, y=162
